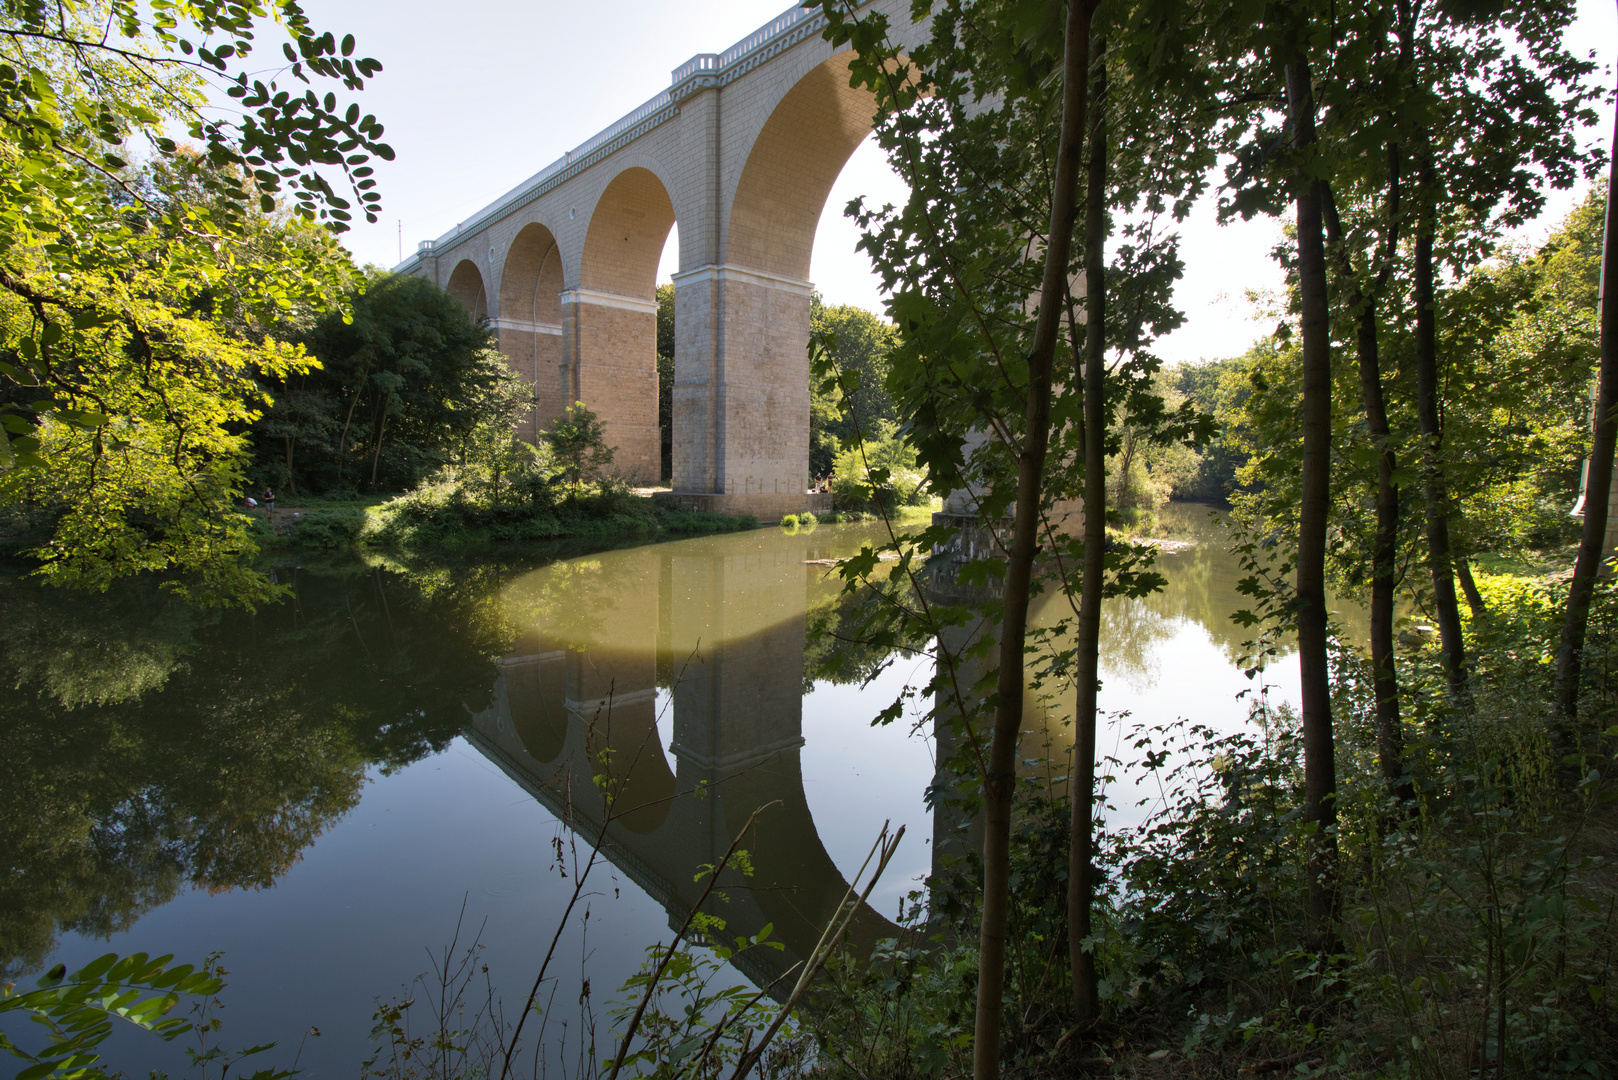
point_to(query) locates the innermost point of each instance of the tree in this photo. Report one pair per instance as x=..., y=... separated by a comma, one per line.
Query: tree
x=126, y=368
x=405, y=378
x=665, y=375
x=988, y=125
x=1598, y=478
x=579, y=442
x=858, y=342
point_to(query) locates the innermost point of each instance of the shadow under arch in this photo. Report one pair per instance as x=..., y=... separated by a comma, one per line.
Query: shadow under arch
x=611, y=318
x=792, y=166
x=530, y=322
x=466, y=286
x=628, y=228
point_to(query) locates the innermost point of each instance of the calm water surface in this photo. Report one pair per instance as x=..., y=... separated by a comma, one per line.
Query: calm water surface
x=318, y=790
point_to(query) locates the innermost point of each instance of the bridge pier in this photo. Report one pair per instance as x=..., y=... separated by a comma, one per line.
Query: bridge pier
x=611, y=343
x=741, y=393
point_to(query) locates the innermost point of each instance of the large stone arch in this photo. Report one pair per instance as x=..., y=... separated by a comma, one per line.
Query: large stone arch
x=791, y=167
x=530, y=322
x=741, y=395
x=466, y=286
x=611, y=317
x=628, y=228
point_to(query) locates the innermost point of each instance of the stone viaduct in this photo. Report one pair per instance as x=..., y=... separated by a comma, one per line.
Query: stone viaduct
x=741, y=150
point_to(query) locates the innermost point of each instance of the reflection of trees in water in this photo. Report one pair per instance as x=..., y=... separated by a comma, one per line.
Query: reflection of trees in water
x=1131, y=631
x=149, y=746
x=849, y=642
x=1202, y=581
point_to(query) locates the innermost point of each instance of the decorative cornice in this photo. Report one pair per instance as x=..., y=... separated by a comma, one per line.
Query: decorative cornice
x=744, y=276
x=752, y=755
x=607, y=299
x=528, y=327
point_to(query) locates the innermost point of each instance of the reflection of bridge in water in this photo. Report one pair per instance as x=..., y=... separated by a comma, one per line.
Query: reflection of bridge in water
x=722, y=628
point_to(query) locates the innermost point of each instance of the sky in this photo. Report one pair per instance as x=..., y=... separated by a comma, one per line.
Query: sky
x=478, y=95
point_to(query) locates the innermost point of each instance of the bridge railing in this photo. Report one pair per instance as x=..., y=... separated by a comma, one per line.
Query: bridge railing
x=700, y=64
x=765, y=34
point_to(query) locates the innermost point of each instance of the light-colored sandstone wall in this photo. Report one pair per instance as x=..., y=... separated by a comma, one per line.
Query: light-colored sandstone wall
x=613, y=367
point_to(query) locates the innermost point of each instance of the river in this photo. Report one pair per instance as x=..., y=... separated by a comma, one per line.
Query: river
x=323, y=789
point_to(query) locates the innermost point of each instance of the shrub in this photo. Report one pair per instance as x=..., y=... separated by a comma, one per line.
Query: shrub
x=790, y=522
x=880, y=475
x=703, y=521
x=579, y=443
x=338, y=528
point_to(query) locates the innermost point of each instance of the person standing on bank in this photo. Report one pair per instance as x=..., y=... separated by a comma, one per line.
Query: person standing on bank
x=269, y=501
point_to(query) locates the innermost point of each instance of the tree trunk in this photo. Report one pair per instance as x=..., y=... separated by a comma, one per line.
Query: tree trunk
x=292, y=482
x=376, y=458
x=1384, y=564
x=342, y=440
x=1598, y=480
x=1434, y=490
x=1385, y=545
x=1319, y=752
x=1469, y=589
x=1092, y=372
x=1000, y=782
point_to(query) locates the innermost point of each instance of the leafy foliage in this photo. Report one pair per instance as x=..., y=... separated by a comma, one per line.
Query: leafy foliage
x=578, y=440
x=78, y=1011
x=407, y=382
x=136, y=307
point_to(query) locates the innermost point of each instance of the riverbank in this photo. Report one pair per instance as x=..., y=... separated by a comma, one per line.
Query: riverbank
x=420, y=522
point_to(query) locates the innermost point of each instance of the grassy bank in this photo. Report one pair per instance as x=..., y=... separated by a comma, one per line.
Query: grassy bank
x=455, y=515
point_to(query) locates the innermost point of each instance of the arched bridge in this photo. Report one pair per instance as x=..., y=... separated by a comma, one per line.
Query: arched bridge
x=741, y=150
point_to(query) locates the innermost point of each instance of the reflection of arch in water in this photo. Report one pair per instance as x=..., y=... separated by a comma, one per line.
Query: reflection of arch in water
x=738, y=727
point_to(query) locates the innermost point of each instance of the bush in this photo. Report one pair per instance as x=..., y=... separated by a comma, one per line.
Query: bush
x=790, y=522
x=880, y=475
x=338, y=528
x=808, y=520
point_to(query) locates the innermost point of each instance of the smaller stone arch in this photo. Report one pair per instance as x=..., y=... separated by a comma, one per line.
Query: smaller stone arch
x=529, y=324
x=628, y=227
x=611, y=318
x=466, y=286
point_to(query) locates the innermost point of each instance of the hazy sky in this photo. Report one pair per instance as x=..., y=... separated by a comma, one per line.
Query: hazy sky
x=478, y=95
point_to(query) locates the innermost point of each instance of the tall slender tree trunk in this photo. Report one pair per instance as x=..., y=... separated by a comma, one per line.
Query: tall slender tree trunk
x=1434, y=490
x=1385, y=543
x=1001, y=780
x=1319, y=752
x=1092, y=373
x=342, y=440
x=376, y=458
x=1598, y=480
x=1384, y=563
x=292, y=481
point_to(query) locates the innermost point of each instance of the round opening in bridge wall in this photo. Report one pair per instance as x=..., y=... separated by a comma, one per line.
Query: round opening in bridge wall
x=572, y=212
